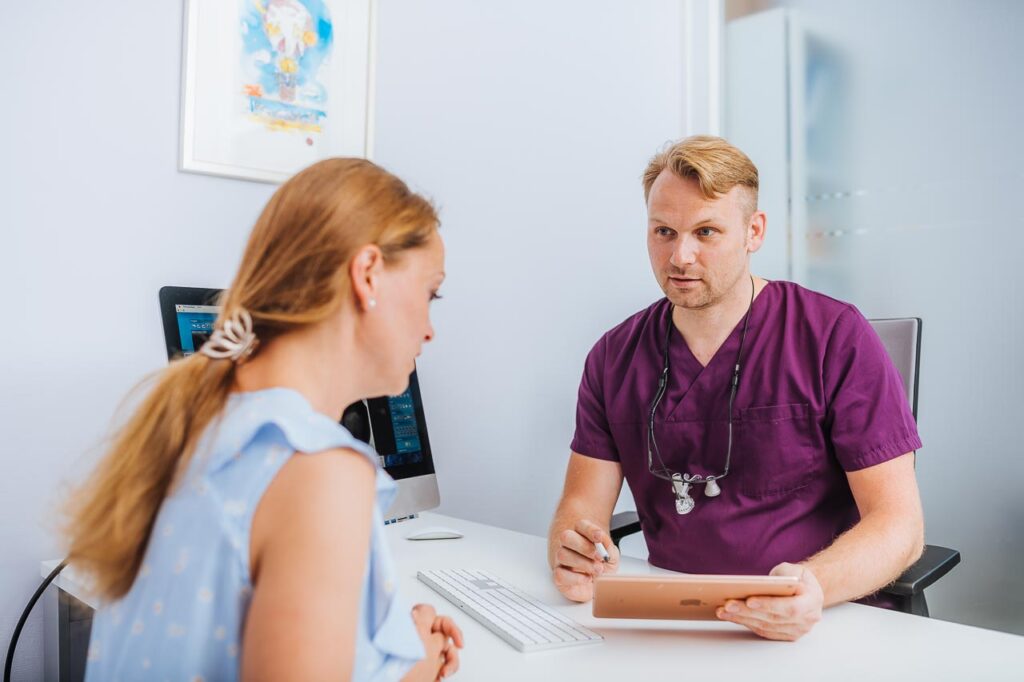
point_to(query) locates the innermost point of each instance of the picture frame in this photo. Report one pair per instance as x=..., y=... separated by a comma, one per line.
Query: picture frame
x=272, y=86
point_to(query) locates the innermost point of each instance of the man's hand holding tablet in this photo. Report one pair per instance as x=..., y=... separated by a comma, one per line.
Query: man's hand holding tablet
x=783, y=618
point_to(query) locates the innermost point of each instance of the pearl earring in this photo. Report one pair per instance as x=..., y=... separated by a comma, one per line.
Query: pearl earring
x=372, y=303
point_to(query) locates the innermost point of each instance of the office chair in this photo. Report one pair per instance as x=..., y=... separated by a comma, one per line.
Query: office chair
x=902, y=339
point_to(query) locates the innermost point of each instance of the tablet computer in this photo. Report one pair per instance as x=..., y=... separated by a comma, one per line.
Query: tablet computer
x=682, y=597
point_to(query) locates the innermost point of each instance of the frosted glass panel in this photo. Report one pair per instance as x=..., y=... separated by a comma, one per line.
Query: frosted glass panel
x=908, y=122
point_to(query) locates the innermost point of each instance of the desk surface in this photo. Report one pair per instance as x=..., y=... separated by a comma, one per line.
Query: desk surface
x=852, y=642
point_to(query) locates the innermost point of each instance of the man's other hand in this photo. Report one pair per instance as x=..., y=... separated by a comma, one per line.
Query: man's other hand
x=782, y=618
x=577, y=562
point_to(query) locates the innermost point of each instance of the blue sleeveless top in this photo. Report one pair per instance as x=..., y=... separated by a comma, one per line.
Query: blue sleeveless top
x=184, y=615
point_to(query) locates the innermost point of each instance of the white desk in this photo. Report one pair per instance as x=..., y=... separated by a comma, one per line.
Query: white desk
x=852, y=642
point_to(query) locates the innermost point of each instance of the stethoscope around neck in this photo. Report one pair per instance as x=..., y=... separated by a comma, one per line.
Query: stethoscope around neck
x=682, y=482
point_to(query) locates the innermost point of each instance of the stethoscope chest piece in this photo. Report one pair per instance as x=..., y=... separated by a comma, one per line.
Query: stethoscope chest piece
x=684, y=501
x=711, y=488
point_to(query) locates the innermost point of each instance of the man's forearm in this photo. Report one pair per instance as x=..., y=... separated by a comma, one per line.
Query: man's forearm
x=867, y=557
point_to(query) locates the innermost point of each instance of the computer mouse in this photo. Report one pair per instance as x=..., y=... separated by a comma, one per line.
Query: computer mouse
x=434, y=533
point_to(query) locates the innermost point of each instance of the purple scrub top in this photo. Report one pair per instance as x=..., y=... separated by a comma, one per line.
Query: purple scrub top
x=818, y=397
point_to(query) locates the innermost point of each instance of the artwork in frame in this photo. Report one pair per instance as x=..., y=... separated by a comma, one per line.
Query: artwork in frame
x=271, y=86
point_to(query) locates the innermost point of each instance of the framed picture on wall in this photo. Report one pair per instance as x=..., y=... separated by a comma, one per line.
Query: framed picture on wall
x=271, y=86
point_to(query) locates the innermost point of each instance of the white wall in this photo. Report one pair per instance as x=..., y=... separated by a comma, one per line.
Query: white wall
x=528, y=122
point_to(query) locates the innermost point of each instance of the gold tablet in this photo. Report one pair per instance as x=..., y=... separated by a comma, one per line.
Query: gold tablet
x=683, y=597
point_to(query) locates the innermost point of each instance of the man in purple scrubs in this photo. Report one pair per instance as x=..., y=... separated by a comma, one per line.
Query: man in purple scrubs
x=819, y=479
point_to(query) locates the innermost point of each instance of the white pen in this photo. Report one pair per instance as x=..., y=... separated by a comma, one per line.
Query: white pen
x=605, y=557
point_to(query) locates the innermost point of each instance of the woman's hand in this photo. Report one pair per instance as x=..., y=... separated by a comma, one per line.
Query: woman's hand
x=441, y=639
x=453, y=642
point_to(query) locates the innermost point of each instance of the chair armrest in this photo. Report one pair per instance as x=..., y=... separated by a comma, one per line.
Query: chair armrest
x=934, y=563
x=623, y=524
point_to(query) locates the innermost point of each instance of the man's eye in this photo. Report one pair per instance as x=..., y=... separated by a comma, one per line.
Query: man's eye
x=705, y=232
x=434, y=296
x=663, y=231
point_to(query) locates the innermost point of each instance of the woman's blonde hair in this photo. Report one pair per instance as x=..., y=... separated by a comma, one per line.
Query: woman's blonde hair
x=293, y=273
x=716, y=165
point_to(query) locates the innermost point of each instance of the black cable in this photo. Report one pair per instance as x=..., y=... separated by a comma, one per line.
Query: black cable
x=24, y=617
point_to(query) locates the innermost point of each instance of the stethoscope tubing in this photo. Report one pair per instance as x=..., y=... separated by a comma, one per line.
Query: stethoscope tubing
x=663, y=471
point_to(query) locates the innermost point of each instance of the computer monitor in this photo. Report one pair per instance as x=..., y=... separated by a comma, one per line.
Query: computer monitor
x=394, y=426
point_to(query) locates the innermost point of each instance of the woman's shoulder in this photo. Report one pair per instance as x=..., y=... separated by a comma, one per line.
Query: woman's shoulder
x=278, y=420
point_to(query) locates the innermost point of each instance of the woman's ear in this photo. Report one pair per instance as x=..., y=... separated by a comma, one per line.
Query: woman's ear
x=364, y=271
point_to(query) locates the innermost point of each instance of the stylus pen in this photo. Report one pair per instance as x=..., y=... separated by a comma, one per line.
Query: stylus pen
x=605, y=557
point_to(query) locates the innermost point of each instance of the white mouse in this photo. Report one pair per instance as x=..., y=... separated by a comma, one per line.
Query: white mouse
x=434, y=533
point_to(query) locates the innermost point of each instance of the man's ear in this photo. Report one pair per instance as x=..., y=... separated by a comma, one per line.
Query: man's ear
x=756, y=228
x=364, y=271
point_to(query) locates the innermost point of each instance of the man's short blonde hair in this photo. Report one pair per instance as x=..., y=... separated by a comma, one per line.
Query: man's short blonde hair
x=716, y=165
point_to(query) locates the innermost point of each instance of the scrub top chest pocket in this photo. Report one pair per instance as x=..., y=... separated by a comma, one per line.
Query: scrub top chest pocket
x=777, y=449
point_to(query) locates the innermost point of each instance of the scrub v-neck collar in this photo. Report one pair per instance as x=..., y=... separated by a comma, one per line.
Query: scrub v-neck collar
x=683, y=364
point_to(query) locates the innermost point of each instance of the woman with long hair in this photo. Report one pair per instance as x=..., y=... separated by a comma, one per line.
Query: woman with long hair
x=234, y=528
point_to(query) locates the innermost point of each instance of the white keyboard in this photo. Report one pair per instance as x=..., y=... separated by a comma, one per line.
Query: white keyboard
x=513, y=615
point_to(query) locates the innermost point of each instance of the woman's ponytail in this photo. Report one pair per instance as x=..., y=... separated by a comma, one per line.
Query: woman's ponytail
x=113, y=513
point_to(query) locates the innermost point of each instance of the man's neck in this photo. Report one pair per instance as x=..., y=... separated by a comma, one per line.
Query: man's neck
x=706, y=329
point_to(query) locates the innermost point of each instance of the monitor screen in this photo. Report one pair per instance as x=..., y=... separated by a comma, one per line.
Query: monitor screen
x=195, y=324
x=399, y=432
x=188, y=314
x=393, y=425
